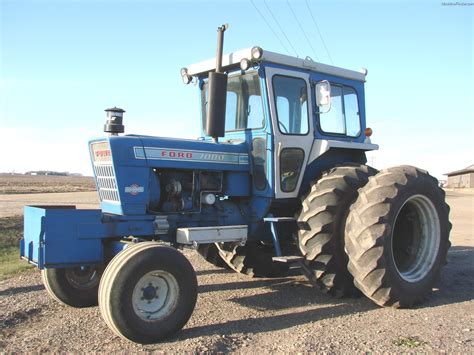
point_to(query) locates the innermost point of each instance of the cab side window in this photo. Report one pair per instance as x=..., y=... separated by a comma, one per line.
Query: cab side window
x=343, y=117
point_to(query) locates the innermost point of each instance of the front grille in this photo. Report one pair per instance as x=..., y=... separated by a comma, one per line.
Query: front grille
x=104, y=171
x=106, y=184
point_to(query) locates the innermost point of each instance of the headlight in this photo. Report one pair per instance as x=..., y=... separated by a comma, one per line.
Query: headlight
x=185, y=76
x=257, y=53
x=187, y=79
x=245, y=64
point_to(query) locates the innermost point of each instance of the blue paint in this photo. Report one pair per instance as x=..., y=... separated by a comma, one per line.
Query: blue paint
x=63, y=236
x=128, y=170
x=50, y=239
x=113, y=247
x=327, y=161
x=237, y=184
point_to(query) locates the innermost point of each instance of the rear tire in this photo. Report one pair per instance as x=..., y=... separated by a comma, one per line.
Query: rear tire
x=397, y=236
x=75, y=287
x=322, y=221
x=148, y=292
x=210, y=253
x=253, y=259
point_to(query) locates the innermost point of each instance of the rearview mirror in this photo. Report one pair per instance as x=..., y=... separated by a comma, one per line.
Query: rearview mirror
x=323, y=96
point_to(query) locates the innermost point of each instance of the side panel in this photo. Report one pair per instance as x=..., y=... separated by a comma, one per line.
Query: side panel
x=236, y=184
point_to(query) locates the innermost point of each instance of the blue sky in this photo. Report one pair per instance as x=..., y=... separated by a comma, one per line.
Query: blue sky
x=64, y=62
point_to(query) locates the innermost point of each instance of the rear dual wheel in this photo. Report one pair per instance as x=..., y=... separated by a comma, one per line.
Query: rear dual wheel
x=397, y=236
x=321, y=228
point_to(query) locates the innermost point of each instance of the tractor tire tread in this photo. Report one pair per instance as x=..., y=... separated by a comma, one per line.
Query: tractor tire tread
x=324, y=209
x=367, y=224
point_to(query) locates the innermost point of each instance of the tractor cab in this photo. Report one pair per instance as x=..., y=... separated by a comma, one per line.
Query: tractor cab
x=289, y=112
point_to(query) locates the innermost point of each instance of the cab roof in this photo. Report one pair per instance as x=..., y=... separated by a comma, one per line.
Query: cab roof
x=231, y=60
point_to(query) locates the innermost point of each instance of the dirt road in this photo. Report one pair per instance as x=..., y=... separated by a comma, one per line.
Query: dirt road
x=235, y=313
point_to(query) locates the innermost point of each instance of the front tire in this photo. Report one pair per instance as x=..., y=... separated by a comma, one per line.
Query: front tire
x=397, y=236
x=148, y=292
x=75, y=286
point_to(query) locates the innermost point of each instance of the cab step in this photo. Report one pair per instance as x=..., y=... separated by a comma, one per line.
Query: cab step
x=291, y=259
x=279, y=219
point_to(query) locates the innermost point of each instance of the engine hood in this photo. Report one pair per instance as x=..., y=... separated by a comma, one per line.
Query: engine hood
x=162, y=152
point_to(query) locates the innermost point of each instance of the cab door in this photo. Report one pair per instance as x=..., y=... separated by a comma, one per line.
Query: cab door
x=290, y=101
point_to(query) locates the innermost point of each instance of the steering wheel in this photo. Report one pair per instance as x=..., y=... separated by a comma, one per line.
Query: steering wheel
x=281, y=125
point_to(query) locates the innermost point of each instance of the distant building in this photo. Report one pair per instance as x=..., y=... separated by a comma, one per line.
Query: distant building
x=47, y=173
x=461, y=178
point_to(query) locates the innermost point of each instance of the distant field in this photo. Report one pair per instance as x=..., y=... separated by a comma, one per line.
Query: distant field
x=25, y=184
x=11, y=228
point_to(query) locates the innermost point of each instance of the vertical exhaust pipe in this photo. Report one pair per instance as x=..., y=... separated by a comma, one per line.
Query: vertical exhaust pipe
x=220, y=46
x=215, y=120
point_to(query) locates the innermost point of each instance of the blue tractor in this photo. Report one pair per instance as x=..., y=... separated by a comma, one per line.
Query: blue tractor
x=278, y=177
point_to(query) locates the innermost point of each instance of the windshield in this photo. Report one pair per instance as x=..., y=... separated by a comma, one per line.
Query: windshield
x=244, y=108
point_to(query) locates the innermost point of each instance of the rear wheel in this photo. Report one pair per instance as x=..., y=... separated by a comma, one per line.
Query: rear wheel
x=75, y=287
x=322, y=221
x=397, y=236
x=210, y=253
x=253, y=259
x=148, y=292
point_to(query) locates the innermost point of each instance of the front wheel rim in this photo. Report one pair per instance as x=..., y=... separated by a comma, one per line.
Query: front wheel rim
x=155, y=295
x=415, y=238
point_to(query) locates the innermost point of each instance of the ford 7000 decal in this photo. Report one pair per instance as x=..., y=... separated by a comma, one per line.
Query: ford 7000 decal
x=190, y=155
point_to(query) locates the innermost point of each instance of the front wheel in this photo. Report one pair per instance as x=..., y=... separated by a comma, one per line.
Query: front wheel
x=75, y=286
x=397, y=236
x=148, y=292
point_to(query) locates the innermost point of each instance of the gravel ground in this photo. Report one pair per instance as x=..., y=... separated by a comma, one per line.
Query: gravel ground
x=235, y=313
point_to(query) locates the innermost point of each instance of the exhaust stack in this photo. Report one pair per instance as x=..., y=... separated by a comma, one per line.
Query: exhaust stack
x=215, y=120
